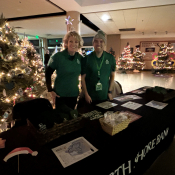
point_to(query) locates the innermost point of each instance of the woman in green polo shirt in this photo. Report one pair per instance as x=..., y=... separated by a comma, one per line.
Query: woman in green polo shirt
x=68, y=68
x=98, y=71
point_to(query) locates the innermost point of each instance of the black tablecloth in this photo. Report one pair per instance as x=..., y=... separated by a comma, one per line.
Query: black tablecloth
x=131, y=151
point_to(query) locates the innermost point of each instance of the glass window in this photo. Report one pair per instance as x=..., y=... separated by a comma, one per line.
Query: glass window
x=53, y=42
x=87, y=41
x=35, y=42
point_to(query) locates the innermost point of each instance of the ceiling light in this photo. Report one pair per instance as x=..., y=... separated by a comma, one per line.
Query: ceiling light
x=127, y=29
x=105, y=17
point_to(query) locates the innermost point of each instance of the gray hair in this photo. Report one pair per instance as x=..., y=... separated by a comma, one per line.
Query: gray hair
x=100, y=35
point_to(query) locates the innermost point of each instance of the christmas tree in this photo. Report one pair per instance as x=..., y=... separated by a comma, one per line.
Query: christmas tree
x=164, y=60
x=125, y=60
x=22, y=74
x=138, y=62
x=111, y=51
x=170, y=63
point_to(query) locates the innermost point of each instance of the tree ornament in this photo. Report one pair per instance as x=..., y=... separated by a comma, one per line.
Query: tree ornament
x=7, y=113
x=4, y=93
x=20, y=75
x=22, y=58
x=1, y=55
x=69, y=20
x=20, y=91
x=28, y=70
x=23, y=66
x=27, y=61
x=12, y=73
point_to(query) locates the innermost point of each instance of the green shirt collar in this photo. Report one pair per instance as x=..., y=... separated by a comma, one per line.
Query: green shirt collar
x=97, y=57
x=65, y=52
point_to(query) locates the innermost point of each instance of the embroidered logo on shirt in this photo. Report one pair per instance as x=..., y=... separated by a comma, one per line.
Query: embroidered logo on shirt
x=107, y=62
x=78, y=62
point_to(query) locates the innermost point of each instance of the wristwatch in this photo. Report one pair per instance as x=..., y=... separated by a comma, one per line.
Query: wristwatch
x=109, y=92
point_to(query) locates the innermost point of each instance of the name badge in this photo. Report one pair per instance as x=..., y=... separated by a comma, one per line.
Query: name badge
x=107, y=62
x=98, y=86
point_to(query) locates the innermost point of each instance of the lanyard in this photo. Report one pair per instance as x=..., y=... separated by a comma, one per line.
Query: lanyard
x=99, y=67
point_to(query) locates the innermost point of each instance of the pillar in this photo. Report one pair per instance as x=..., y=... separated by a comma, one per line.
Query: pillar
x=114, y=41
x=45, y=44
x=75, y=23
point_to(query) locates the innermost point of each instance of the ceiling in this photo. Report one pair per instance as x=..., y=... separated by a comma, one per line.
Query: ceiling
x=46, y=18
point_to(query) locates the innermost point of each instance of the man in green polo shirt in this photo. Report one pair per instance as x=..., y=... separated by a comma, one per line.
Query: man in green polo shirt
x=98, y=71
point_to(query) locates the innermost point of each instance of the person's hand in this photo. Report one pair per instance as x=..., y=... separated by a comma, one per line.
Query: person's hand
x=54, y=95
x=88, y=98
x=110, y=96
x=2, y=143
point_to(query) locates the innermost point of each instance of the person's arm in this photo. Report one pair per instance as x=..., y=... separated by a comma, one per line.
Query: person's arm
x=111, y=81
x=45, y=59
x=112, y=76
x=83, y=79
x=48, y=74
x=83, y=82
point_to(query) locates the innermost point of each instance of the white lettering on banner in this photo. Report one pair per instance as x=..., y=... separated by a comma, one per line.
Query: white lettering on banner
x=129, y=168
x=123, y=169
x=117, y=170
x=151, y=145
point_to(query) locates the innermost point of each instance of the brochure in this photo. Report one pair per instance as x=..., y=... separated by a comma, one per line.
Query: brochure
x=74, y=151
x=127, y=97
x=156, y=104
x=138, y=91
x=106, y=105
x=132, y=105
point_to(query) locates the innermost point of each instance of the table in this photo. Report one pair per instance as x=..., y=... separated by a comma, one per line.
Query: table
x=131, y=151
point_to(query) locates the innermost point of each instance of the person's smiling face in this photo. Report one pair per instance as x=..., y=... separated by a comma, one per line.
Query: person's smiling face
x=98, y=45
x=73, y=45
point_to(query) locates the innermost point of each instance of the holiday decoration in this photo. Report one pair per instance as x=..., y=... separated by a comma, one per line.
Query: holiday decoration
x=138, y=62
x=69, y=20
x=21, y=150
x=112, y=52
x=125, y=61
x=20, y=65
x=69, y=23
x=164, y=60
x=17, y=151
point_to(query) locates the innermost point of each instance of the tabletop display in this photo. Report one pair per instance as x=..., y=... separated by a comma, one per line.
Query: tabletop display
x=91, y=150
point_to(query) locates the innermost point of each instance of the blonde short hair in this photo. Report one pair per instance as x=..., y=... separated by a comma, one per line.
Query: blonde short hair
x=74, y=34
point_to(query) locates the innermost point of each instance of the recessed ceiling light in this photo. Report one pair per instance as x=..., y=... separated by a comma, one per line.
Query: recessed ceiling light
x=105, y=17
x=127, y=29
x=18, y=27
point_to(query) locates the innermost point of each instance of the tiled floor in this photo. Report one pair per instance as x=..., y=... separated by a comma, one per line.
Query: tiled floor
x=131, y=81
x=165, y=164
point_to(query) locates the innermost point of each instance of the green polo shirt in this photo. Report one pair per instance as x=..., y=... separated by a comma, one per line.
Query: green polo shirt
x=91, y=71
x=68, y=69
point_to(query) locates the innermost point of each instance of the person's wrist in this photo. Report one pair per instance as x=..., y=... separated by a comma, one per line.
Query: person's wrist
x=109, y=92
